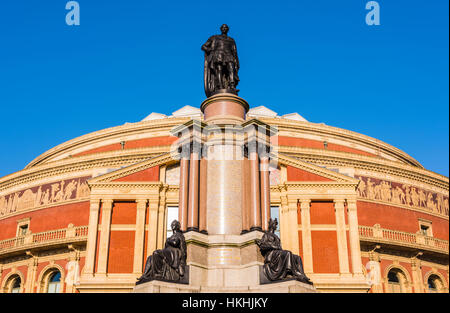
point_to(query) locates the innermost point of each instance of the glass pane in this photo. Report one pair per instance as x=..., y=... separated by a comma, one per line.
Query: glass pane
x=392, y=277
x=55, y=277
x=16, y=285
x=395, y=288
x=53, y=287
x=275, y=214
x=172, y=214
x=432, y=284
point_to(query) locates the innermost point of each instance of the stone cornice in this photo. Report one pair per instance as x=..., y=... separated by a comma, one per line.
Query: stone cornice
x=335, y=158
x=167, y=123
x=331, y=131
x=403, y=206
x=117, y=131
x=165, y=158
x=287, y=160
x=70, y=166
x=132, y=156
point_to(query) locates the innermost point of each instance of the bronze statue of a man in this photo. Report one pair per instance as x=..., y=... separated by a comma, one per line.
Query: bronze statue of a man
x=221, y=64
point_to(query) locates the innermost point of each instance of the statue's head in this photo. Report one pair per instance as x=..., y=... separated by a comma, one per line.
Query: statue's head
x=176, y=226
x=224, y=29
x=273, y=224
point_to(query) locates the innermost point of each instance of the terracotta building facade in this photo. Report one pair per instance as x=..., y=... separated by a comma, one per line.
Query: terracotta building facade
x=363, y=215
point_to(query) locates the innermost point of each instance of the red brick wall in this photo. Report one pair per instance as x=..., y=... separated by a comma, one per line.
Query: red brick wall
x=121, y=252
x=150, y=174
x=397, y=218
x=124, y=213
x=322, y=213
x=48, y=219
x=295, y=174
x=309, y=143
x=133, y=144
x=325, y=253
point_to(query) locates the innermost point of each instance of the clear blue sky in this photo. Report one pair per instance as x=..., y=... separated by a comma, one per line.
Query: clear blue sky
x=129, y=58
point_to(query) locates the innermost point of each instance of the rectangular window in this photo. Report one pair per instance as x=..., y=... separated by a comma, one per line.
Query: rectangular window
x=275, y=214
x=23, y=226
x=172, y=214
x=23, y=230
x=425, y=228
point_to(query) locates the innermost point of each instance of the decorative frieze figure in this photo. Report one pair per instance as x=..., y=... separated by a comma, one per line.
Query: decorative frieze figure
x=397, y=193
x=279, y=264
x=168, y=264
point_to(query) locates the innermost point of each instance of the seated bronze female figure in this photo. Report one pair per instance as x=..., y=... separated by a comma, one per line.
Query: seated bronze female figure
x=279, y=264
x=168, y=264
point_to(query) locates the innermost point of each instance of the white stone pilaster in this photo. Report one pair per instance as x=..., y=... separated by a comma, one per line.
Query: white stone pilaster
x=339, y=209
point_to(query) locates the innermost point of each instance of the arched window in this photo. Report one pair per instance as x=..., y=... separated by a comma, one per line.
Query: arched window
x=54, y=282
x=434, y=284
x=15, y=285
x=396, y=281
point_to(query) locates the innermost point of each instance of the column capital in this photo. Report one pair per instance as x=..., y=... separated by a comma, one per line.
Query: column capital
x=141, y=203
x=351, y=204
x=339, y=203
x=94, y=204
x=107, y=203
x=304, y=203
x=153, y=206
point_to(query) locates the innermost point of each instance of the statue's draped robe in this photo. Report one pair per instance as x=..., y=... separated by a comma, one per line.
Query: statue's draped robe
x=279, y=263
x=168, y=263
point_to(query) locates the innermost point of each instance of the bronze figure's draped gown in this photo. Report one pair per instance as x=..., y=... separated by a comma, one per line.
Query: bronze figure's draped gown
x=167, y=264
x=279, y=263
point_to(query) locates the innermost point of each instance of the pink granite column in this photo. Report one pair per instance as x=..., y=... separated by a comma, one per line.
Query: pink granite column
x=265, y=192
x=203, y=195
x=255, y=211
x=245, y=195
x=183, y=193
x=192, y=223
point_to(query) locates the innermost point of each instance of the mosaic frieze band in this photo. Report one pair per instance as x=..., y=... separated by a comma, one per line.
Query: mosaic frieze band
x=397, y=193
x=47, y=194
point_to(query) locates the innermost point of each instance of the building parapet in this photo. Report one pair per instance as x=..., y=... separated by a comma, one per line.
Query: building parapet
x=395, y=237
x=45, y=239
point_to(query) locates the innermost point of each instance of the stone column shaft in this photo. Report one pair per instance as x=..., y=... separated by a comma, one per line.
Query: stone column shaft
x=183, y=196
x=92, y=237
x=203, y=194
x=245, y=194
x=161, y=221
x=341, y=237
x=255, y=213
x=31, y=275
x=265, y=192
x=305, y=207
x=153, y=226
x=139, y=236
x=104, y=236
x=293, y=226
x=193, y=192
x=284, y=223
x=353, y=233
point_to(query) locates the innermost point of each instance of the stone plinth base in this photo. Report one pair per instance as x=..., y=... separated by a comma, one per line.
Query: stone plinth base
x=224, y=109
x=291, y=286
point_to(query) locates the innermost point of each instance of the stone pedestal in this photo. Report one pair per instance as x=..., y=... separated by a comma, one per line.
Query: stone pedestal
x=224, y=263
x=291, y=286
x=224, y=109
